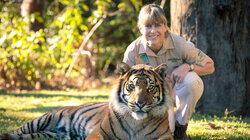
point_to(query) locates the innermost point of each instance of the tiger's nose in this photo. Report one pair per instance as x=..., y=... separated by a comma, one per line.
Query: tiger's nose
x=140, y=103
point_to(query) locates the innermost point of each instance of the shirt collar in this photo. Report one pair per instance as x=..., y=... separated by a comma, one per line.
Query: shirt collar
x=168, y=42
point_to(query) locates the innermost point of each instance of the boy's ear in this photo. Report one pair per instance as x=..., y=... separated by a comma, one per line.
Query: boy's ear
x=140, y=29
x=123, y=68
x=165, y=27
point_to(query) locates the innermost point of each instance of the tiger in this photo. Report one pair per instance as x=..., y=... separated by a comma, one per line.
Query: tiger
x=136, y=110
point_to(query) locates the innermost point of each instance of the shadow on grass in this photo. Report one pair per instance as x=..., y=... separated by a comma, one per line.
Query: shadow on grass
x=229, y=132
x=209, y=118
x=39, y=95
x=10, y=123
x=232, y=137
x=42, y=109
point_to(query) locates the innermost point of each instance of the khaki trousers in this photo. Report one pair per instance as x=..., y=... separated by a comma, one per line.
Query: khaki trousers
x=186, y=95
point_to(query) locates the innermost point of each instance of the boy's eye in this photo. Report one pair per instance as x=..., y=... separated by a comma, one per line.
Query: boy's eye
x=153, y=25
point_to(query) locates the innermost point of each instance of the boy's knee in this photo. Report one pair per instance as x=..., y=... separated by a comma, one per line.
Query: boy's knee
x=194, y=82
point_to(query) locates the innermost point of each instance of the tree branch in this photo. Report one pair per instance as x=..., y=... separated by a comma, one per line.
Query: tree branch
x=163, y=3
x=131, y=5
x=86, y=39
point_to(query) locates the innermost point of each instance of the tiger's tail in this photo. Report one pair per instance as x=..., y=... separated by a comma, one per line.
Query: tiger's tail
x=11, y=136
x=33, y=129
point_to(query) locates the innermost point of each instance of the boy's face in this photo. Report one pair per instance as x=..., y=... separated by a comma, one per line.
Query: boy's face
x=154, y=34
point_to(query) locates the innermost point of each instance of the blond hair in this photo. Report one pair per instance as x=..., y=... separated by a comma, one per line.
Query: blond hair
x=152, y=14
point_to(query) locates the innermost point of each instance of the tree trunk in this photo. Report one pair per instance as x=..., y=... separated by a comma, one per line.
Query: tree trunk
x=220, y=29
x=32, y=6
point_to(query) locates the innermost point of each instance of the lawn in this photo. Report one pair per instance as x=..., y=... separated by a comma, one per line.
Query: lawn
x=18, y=107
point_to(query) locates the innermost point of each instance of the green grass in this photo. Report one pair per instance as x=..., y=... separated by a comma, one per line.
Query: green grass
x=16, y=108
x=225, y=127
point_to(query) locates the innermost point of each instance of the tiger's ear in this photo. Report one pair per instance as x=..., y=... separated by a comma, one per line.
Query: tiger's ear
x=123, y=68
x=162, y=70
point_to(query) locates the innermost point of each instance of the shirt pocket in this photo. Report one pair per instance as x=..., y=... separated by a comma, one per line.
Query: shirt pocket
x=143, y=59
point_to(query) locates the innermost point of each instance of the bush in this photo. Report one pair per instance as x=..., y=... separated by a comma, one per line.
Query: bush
x=29, y=58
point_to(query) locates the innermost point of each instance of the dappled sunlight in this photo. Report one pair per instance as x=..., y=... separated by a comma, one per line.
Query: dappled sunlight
x=16, y=108
x=31, y=99
x=218, y=128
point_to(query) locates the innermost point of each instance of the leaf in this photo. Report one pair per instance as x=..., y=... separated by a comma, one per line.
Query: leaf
x=83, y=27
x=213, y=126
x=65, y=2
x=39, y=19
x=85, y=7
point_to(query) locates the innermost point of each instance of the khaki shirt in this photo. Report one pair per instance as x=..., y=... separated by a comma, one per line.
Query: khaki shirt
x=175, y=51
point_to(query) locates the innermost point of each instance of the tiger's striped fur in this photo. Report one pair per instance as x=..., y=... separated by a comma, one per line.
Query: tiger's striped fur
x=137, y=110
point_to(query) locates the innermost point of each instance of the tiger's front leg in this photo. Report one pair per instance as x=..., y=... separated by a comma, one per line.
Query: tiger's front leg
x=95, y=135
x=166, y=137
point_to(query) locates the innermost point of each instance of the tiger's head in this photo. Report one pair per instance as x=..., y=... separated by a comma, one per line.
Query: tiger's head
x=142, y=91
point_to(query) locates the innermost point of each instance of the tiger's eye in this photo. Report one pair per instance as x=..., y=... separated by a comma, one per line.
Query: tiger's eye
x=151, y=88
x=131, y=86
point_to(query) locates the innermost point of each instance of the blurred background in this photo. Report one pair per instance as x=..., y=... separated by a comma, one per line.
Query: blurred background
x=60, y=44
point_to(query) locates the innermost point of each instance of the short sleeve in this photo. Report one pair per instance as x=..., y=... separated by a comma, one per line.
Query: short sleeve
x=129, y=55
x=193, y=55
x=189, y=53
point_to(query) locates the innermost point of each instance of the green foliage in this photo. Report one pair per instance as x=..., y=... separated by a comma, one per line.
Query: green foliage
x=18, y=108
x=28, y=57
x=22, y=56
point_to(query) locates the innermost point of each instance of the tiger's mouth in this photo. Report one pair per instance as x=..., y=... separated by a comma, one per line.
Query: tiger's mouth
x=140, y=112
x=139, y=115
